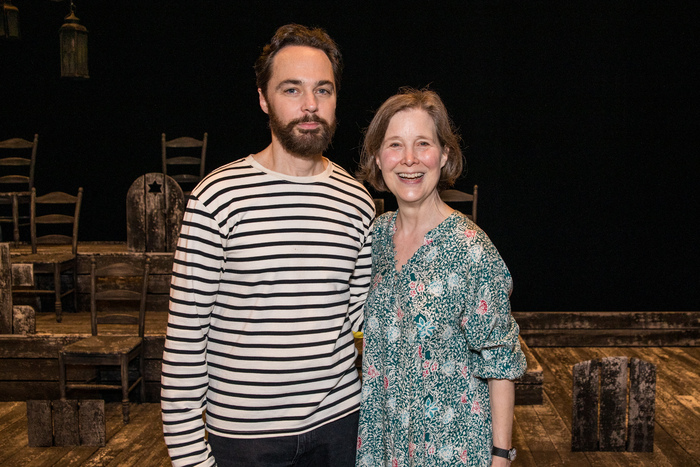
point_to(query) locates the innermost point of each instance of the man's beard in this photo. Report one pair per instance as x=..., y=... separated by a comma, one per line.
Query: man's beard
x=306, y=144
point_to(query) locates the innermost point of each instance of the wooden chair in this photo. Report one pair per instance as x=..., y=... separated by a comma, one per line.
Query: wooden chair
x=184, y=145
x=120, y=284
x=604, y=418
x=53, y=260
x=452, y=197
x=16, y=178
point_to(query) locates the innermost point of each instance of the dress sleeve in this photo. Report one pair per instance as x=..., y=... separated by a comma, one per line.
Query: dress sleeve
x=491, y=330
x=197, y=267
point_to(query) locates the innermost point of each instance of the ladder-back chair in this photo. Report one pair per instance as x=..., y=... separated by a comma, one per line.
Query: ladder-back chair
x=456, y=197
x=182, y=152
x=117, y=332
x=17, y=163
x=54, y=220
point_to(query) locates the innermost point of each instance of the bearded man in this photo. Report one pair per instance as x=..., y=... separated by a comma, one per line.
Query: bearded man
x=269, y=279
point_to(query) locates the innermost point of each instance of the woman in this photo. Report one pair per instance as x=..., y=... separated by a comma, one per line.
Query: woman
x=440, y=345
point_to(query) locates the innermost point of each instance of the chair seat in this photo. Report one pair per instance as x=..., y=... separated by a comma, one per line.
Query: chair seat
x=103, y=345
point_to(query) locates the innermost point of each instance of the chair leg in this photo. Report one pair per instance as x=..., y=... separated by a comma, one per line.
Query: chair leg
x=75, y=286
x=15, y=219
x=125, y=388
x=62, y=376
x=142, y=365
x=57, y=290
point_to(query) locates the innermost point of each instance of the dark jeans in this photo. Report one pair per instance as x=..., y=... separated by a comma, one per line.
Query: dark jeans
x=333, y=445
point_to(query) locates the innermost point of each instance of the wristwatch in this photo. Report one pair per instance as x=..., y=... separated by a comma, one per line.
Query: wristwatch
x=507, y=453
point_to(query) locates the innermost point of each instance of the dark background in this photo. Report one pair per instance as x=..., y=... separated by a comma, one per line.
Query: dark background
x=579, y=119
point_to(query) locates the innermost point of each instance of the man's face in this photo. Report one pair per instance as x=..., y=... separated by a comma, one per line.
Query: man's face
x=300, y=100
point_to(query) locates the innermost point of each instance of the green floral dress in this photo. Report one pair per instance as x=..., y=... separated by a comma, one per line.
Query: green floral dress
x=433, y=333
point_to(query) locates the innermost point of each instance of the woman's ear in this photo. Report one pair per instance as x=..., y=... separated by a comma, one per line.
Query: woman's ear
x=378, y=162
x=444, y=156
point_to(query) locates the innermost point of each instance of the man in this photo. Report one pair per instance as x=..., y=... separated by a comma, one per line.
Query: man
x=270, y=275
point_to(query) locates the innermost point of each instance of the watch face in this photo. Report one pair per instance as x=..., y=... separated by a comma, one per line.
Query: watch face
x=511, y=454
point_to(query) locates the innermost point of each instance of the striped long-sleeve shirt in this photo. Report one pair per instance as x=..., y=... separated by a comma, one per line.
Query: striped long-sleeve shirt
x=269, y=279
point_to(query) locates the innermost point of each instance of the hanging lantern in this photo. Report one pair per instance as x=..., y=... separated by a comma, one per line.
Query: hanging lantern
x=9, y=25
x=74, y=55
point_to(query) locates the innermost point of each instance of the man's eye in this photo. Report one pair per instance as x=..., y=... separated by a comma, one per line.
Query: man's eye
x=290, y=91
x=324, y=91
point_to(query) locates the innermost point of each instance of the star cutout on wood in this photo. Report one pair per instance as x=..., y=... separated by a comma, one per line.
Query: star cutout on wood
x=154, y=187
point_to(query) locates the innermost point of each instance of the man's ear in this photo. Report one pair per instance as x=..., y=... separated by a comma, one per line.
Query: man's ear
x=263, y=101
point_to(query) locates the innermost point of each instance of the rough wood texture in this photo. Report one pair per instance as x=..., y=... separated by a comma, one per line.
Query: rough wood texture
x=39, y=424
x=603, y=417
x=584, y=424
x=541, y=433
x=23, y=319
x=23, y=275
x=613, y=404
x=5, y=290
x=93, y=430
x=65, y=423
x=609, y=328
x=155, y=206
x=642, y=406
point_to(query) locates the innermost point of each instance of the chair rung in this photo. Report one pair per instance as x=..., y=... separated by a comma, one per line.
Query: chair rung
x=184, y=160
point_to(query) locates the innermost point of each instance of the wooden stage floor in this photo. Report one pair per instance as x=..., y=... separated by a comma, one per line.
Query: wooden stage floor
x=541, y=433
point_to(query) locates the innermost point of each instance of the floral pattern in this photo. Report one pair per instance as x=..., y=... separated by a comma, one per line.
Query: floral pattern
x=434, y=333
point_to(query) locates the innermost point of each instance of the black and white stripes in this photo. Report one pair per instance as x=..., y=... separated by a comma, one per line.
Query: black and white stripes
x=269, y=280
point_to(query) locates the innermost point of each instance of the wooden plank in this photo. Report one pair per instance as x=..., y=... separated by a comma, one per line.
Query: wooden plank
x=156, y=303
x=5, y=289
x=135, y=216
x=520, y=442
x=13, y=440
x=22, y=275
x=161, y=262
x=142, y=443
x=39, y=423
x=93, y=429
x=157, y=284
x=606, y=320
x=539, y=444
x=65, y=422
x=130, y=436
x=23, y=319
x=155, y=212
x=19, y=390
x=642, y=402
x=612, y=337
x=33, y=346
x=559, y=433
x=613, y=404
x=584, y=429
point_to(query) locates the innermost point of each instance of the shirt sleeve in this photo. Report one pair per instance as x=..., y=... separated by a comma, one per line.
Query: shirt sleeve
x=491, y=330
x=360, y=279
x=197, y=267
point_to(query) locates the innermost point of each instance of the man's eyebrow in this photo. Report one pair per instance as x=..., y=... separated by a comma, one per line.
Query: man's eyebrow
x=298, y=82
x=326, y=82
x=287, y=82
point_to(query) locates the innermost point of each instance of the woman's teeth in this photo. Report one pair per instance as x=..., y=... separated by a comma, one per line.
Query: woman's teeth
x=411, y=176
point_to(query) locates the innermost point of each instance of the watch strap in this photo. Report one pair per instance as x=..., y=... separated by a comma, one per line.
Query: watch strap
x=505, y=453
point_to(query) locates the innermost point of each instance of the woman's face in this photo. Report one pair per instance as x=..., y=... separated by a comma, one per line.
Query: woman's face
x=410, y=157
